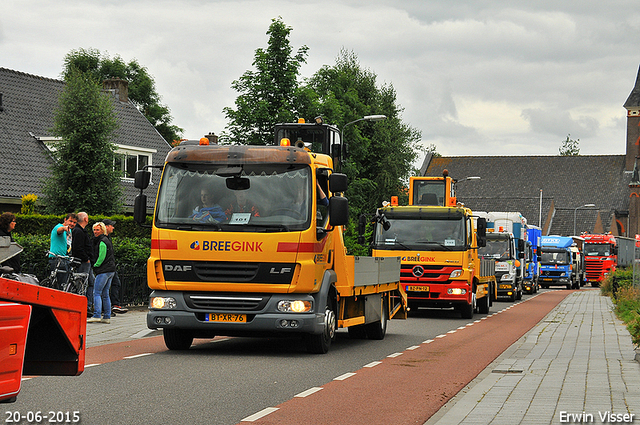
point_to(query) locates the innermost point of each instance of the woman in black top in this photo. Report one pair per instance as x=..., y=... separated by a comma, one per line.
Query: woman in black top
x=7, y=224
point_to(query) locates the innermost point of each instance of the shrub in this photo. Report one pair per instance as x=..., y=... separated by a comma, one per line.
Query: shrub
x=29, y=203
x=626, y=298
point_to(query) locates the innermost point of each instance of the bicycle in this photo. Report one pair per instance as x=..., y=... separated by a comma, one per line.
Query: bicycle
x=75, y=282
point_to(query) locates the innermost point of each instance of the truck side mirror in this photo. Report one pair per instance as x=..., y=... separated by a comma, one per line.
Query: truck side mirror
x=338, y=183
x=338, y=211
x=481, y=231
x=140, y=208
x=142, y=179
x=362, y=225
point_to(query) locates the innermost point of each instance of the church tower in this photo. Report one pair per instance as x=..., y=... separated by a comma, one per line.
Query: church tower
x=632, y=105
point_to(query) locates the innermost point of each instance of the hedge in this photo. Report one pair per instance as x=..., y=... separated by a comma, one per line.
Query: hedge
x=38, y=224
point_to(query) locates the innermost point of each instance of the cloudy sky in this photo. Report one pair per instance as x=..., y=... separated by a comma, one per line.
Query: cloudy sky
x=476, y=77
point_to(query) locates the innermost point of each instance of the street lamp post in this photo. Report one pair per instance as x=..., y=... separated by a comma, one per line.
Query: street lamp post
x=575, y=210
x=365, y=118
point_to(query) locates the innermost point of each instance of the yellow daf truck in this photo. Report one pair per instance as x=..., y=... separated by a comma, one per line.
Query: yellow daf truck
x=437, y=240
x=247, y=241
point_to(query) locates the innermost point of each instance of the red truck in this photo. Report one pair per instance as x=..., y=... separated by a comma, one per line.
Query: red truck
x=604, y=253
x=42, y=331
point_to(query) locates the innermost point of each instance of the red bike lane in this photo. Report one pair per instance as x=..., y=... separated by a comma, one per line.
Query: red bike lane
x=410, y=388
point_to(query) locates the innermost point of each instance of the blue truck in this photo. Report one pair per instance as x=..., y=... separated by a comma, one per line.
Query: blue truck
x=556, y=262
x=531, y=282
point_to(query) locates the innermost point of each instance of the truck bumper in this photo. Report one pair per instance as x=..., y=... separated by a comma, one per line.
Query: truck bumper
x=506, y=288
x=263, y=322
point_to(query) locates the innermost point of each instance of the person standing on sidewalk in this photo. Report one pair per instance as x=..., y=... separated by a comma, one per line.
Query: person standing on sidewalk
x=60, y=245
x=116, y=285
x=104, y=268
x=82, y=248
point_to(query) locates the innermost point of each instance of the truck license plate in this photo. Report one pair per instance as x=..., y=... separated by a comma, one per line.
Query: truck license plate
x=224, y=317
x=547, y=279
x=505, y=286
x=417, y=288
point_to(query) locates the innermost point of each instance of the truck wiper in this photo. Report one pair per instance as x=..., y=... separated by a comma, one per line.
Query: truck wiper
x=447, y=248
x=268, y=227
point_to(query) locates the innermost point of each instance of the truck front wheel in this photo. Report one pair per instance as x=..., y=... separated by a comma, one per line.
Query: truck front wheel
x=320, y=343
x=177, y=339
x=467, y=310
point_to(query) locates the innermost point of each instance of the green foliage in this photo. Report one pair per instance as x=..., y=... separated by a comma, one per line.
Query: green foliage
x=381, y=154
x=37, y=224
x=131, y=250
x=142, y=90
x=29, y=203
x=570, y=147
x=626, y=298
x=82, y=174
x=266, y=94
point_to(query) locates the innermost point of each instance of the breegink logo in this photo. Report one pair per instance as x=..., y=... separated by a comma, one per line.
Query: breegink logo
x=195, y=246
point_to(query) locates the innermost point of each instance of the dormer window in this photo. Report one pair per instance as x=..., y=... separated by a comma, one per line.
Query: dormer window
x=129, y=159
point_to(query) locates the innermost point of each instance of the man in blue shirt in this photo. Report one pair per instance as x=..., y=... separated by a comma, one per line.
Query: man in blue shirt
x=61, y=245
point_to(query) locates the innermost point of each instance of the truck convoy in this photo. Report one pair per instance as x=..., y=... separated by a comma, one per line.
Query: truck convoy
x=604, y=253
x=506, y=236
x=244, y=242
x=42, y=330
x=438, y=242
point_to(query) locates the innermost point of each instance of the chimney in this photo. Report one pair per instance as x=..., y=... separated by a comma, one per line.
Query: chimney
x=213, y=139
x=119, y=87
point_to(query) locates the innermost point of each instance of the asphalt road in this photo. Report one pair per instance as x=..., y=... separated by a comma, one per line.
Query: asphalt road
x=226, y=380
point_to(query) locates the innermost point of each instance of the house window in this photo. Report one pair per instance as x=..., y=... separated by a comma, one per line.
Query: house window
x=130, y=159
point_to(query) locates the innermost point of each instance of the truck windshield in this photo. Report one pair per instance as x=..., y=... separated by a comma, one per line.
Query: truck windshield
x=247, y=197
x=433, y=234
x=555, y=257
x=496, y=248
x=597, y=249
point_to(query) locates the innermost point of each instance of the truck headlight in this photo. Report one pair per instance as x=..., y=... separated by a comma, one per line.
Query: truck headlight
x=294, y=306
x=162, y=303
x=456, y=291
x=455, y=273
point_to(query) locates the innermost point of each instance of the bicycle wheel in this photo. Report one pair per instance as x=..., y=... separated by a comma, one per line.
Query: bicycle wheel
x=49, y=282
x=80, y=283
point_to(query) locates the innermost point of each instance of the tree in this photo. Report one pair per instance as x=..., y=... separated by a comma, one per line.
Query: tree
x=83, y=177
x=266, y=94
x=380, y=155
x=570, y=147
x=142, y=90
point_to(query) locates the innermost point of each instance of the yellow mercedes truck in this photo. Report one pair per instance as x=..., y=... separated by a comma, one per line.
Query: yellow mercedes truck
x=438, y=247
x=248, y=241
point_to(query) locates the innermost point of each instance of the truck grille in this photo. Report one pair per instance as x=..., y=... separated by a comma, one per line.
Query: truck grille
x=551, y=273
x=423, y=273
x=226, y=271
x=245, y=302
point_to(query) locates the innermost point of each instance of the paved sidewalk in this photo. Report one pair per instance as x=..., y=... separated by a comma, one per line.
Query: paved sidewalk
x=123, y=327
x=579, y=360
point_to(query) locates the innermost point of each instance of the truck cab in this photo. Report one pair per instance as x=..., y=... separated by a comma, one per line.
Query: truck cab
x=556, y=262
x=501, y=248
x=438, y=250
